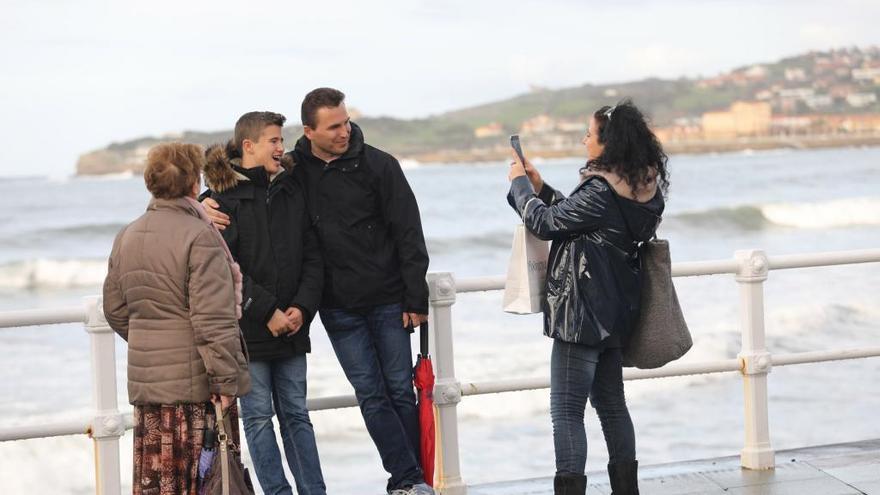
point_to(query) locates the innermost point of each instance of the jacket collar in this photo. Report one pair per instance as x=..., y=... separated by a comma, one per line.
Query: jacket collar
x=348, y=161
x=256, y=175
x=182, y=205
x=223, y=169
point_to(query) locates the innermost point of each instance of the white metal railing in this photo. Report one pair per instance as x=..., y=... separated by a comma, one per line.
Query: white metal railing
x=750, y=269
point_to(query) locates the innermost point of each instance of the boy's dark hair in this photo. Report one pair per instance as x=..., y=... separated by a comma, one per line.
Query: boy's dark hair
x=251, y=124
x=632, y=151
x=317, y=99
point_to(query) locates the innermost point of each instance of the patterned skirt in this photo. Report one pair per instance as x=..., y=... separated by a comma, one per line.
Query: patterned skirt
x=167, y=444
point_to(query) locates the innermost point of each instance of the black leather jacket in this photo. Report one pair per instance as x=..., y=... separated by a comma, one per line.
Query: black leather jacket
x=594, y=271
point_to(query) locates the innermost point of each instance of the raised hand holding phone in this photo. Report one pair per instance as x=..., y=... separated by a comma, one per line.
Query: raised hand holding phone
x=514, y=143
x=527, y=167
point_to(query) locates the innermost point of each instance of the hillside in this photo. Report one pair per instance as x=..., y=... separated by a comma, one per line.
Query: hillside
x=835, y=82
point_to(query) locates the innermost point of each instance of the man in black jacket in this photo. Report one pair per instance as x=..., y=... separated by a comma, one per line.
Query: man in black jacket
x=375, y=261
x=270, y=235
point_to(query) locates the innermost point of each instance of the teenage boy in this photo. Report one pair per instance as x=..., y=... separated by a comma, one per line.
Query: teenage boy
x=271, y=237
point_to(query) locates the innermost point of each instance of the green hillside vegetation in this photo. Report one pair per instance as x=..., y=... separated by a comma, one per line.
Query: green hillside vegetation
x=663, y=101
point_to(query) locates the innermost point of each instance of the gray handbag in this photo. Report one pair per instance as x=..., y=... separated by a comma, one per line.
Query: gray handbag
x=227, y=475
x=661, y=334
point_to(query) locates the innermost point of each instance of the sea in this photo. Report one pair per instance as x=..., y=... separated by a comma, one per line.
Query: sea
x=55, y=235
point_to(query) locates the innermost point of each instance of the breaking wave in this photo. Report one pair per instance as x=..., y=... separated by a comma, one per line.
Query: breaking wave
x=53, y=274
x=54, y=235
x=102, y=229
x=814, y=215
x=487, y=240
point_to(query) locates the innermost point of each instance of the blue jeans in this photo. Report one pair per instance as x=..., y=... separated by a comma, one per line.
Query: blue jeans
x=279, y=387
x=577, y=372
x=373, y=348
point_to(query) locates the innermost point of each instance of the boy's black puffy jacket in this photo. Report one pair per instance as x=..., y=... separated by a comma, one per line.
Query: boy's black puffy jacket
x=272, y=239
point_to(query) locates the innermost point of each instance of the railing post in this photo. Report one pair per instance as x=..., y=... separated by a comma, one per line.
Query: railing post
x=107, y=423
x=756, y=361
x=447, y=390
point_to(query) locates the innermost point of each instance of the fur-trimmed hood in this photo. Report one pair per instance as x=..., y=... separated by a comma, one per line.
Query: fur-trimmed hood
x=220, y=174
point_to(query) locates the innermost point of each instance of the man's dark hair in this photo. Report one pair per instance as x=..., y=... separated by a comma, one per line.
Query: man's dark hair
x=251, y=124
x=317, y=99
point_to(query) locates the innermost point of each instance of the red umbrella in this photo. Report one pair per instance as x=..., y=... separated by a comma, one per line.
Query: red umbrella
x=423, y=379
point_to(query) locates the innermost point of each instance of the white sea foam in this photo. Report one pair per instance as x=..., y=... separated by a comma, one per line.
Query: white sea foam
x=52, y=274
x=802, y=215
x=126, y=175
x=825, y=214
x=409, y=163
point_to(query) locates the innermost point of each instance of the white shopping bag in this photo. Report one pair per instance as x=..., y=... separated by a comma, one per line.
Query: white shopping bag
x=526, y=283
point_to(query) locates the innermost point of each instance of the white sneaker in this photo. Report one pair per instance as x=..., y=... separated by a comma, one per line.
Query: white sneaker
x=419, y=489
x=422, y=489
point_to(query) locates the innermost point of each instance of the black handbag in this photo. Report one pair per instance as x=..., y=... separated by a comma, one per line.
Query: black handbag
x=227, y=475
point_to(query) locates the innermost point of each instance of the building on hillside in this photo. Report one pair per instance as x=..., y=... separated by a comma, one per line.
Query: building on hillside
x=871, y=74
x=841, y=90
x=756, y=72
x=744, y=118
x=539, y=124
x=795, y=74
x=859, y=100
x=711, y=82
x=854, y=123
x=842, y=72
x=571, y=126
x=493, y=129
x=822, y=63
x=796, y=93
x=789, y=125
x=764, y=94
x=682, y=129
x=819, y=101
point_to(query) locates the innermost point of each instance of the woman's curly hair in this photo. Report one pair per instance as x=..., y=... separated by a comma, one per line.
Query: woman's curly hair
x=631, y=151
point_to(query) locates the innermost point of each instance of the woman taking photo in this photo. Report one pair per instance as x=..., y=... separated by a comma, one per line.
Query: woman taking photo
x=173, y=292
x=593, y=283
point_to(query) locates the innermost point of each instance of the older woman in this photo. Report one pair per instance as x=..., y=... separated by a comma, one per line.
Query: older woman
x=593, y=283
x=173, y=292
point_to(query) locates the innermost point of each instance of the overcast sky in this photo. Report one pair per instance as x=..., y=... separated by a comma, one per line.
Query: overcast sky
x=77, y=75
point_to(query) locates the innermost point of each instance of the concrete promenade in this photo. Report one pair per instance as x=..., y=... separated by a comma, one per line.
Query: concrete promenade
x=843, y=469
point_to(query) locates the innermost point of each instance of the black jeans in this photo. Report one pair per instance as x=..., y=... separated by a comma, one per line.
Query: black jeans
x=577, y=372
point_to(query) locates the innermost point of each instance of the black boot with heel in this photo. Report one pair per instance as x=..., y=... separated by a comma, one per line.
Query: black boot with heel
x=624, y=478
x=569, y=484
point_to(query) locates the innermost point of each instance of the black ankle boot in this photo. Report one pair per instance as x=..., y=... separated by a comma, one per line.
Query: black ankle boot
x=624, y=478
x=569, y=484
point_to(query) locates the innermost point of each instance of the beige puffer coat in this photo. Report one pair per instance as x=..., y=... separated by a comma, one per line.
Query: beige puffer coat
x=169, y=293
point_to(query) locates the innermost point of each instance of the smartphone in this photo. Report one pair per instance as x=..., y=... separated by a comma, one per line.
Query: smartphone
x=514, y=143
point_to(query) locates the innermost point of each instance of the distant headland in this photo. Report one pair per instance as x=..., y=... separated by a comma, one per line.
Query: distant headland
x=813, y=100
